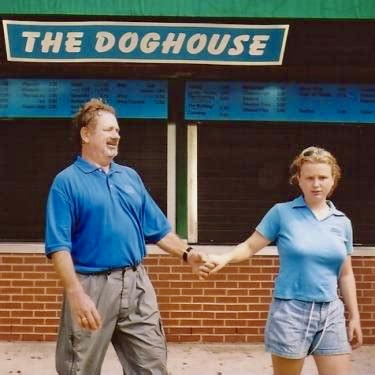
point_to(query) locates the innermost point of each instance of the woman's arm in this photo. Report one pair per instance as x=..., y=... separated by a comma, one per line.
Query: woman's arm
x=349, y=293
x=241, y=252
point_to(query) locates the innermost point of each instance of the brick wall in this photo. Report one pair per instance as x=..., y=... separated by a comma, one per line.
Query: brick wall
x=230, y=307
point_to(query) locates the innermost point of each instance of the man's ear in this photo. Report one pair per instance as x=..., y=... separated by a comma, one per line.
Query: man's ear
x=84, y=134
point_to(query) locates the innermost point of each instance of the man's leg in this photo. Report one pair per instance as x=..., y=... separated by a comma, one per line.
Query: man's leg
x=80, y=351
x=139, y=337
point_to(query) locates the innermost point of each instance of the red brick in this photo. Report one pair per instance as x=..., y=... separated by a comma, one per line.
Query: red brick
x=23, y=268
x=5, y=268
x=249, y=300
x=33, y=321
x=180, y=299
x=215, y=292
x=12, y=259
x=9, y=336
x=10, y=305
x=225, y=331
x=23, y=298
x=190, y=322
x=213, y=338
x=233, y=338
x=226, y=315
x=22, y=328
x=48, y=283
x=169, y=291
x=179, y=330
x=191, y=307
x=213, y=307
x=46, y=329
x=47, y=313
x=192, y=292
x=33, y=290
x=32, y=337
x=203, y=315
x=169, y=306
x=44, y=268
x=54, y=291
x=181, y=315
x=202, y=330
x=205, y=299
x=22, y=313
x=224, y=300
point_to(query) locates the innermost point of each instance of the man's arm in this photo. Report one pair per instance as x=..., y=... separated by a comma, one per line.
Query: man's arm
x=82, y=307
x=172, y=244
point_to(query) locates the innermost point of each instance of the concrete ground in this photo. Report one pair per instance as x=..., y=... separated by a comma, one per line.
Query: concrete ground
x=35, y=358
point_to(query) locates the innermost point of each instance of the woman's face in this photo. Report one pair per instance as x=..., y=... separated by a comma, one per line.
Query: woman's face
x=315, y=181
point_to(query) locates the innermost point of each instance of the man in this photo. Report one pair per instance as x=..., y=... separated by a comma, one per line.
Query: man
x=99, y=216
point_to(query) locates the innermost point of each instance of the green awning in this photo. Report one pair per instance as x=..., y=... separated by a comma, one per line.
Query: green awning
x=319, y=9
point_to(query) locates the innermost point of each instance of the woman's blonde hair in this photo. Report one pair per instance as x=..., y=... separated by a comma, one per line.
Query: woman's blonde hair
x=314, y=154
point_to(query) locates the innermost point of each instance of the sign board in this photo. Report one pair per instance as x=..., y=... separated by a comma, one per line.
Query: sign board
x=62, y=98
x=304, y=102
x=145, y=42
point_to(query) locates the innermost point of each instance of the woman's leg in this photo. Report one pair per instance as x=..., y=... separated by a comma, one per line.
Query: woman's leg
x=333, y=364
x=287, y=366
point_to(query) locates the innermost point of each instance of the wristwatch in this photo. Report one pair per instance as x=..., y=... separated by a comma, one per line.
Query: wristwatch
x=185, y=254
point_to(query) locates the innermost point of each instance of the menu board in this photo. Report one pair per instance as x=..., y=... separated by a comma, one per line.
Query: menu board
x=62, y=98
x=304, y=102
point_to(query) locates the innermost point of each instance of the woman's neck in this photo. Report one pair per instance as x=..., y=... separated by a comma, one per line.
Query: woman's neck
x=319, y=209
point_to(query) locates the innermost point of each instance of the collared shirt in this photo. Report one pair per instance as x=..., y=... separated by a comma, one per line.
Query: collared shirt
x=103, y=219
x=311, y=251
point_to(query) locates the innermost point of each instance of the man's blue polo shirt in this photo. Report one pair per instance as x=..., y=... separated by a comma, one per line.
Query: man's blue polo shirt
x=311, y=251
x=103, y=219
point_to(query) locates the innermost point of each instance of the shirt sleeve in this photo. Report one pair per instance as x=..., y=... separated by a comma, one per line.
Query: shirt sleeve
x=58, y=222
x=269, y=226
x=349, y=236
x=155, y=225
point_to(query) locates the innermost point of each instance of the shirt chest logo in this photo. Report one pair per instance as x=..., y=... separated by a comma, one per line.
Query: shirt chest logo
x=129, y=190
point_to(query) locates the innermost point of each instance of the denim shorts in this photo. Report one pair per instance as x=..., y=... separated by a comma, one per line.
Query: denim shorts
x=297, y=328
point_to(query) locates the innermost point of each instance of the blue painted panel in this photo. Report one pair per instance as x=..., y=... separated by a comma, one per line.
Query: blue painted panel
x=62, y=98
x=296, y=102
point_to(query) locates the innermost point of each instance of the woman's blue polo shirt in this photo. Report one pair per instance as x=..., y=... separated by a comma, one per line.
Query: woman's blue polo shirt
x=311, y=251
x=103, y=219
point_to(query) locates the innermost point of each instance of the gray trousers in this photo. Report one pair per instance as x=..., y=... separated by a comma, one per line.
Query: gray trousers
x=131, y=321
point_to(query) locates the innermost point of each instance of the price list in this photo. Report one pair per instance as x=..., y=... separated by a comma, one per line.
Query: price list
x=332, y=103
x=63, y=98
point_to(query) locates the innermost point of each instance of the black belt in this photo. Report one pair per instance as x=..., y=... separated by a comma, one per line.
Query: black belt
x=110, y=270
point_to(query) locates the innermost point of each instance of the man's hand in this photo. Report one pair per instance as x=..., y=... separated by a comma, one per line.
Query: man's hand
x=83, y=310
x=200, y=264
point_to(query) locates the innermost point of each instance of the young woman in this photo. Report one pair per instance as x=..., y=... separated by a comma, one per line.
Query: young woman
x=314, y=241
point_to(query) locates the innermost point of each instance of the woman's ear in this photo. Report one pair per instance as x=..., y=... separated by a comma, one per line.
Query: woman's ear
x=298, y=181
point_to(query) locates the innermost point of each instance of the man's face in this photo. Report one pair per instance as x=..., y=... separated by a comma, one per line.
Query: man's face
x=101, y=137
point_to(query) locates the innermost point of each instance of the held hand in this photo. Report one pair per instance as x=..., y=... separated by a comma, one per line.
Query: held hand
x=219, y=262
x=200, y=264
x=83, y=310
x=355, y=333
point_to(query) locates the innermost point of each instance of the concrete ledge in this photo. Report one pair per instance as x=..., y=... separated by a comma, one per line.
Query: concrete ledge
x=38, y=247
